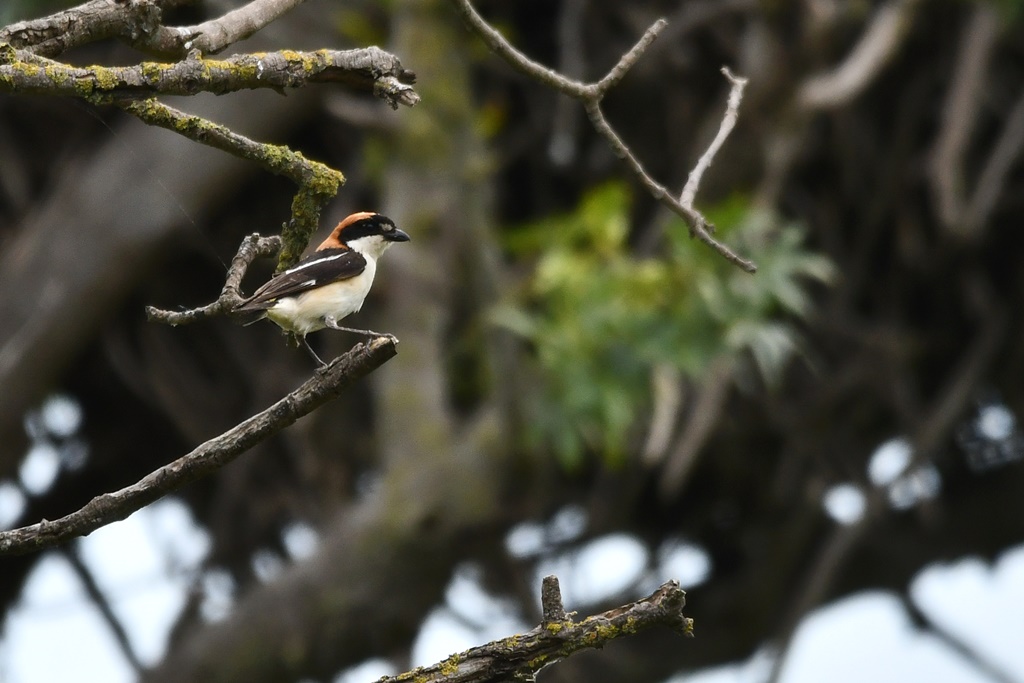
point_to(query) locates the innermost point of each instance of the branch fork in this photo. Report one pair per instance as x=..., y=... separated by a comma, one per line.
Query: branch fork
x=591, y=95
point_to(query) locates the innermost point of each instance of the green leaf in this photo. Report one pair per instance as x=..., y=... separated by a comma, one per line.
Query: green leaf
x=599, y=318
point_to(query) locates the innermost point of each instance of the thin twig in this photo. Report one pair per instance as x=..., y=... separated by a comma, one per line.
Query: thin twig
x=252, y=247
x=708, y=404
x=626, y=62
x=139, y=23
x=992, y=180
x=728, y=123
x=960, y=112
x=876, y=48
x=699, y=226
x=516, y=59
x=520, y=657
x=326, y=384
x=214, y=35
x=95, y=593
x=819, y=577
x=985, y=664
x=591, y=94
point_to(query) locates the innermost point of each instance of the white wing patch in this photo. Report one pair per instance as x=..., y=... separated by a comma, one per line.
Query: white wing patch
x=314, y=262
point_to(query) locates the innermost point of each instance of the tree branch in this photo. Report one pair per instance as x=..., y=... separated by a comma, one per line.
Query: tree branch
x=87, y=23
x=591, y=94
x=960, y=110
x=124, y=643
x=139, y=23
x=370, y=68
x=992, y=180
x=252, y=247
x=876, y=48
x=318, y=183
x=325, y=385
x=728, y=123
x=520, y=657
x=22, y=72
x=210, y=37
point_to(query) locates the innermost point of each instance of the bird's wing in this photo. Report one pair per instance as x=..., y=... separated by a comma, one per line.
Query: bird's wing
x=319, y=269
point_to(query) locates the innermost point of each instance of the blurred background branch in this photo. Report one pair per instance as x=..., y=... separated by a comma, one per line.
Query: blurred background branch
x=826, y=454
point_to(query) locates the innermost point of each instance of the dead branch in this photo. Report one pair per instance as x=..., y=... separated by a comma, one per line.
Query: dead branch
x=139, y=23
x=591, y=95
x=520, y=657
x=252, y=247
x=87, y=23
x=22, y=72
x=326, y=384
x=993, y=177
x=708, y=403
x=989, y=666
x=728, y=123
x=318, y=183
x=210, y=37
x=877, y=47
x=960, y=114
x=103, y=605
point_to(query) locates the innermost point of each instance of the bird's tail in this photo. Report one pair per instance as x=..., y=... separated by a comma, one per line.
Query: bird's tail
x=248, y=306
x=261, y=316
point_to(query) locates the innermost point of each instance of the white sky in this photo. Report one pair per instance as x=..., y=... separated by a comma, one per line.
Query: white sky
x=147, y=563
x=866, y=637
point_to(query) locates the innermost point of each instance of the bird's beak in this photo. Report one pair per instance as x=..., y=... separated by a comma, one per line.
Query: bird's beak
x=397, y=236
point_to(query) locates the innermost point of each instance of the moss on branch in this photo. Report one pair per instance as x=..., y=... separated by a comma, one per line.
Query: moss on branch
x=370, y=69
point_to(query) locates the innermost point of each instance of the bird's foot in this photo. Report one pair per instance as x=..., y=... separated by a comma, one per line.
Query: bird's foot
x=312, y=353
x=332, y=323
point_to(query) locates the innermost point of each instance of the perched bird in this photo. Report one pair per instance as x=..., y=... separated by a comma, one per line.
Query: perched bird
x=329, y=284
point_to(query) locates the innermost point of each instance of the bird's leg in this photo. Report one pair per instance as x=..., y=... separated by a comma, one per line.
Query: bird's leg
x=332, y=323
x=305, y=342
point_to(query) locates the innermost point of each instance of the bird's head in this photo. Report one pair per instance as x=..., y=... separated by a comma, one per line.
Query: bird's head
x=368, y=233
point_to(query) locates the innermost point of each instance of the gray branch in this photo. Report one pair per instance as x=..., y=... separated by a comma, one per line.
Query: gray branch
x=590, y=95
x=520, y=657
x=252, y=247
x=372, y=69
x=210, y=37
x=87, y=23
x=326, y=384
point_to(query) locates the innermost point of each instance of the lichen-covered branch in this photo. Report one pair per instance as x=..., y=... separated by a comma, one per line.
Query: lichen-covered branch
x=325, y=385
x=520, y=657
x=591, y=95
x=22, y=72
x=318, y=183
x=277, y=159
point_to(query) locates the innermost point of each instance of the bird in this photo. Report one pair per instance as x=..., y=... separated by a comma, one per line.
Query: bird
x=329, y=284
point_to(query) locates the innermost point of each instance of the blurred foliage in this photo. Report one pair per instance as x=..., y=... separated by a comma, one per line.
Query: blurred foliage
x=1010, y=9
x=600, y=318
x=19, y=10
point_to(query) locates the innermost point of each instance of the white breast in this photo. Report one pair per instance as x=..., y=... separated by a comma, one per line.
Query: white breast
x=305, y=313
